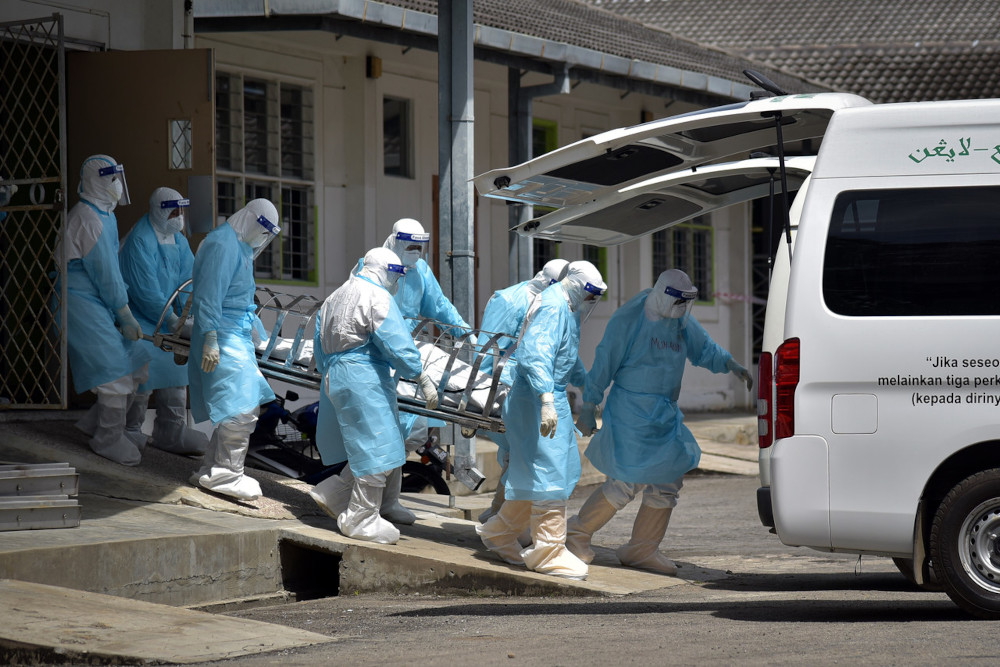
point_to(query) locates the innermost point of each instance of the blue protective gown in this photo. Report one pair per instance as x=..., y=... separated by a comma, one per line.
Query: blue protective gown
x=153, y=270
x=358, y=413
x=643, y=439
x=505, y=313
x=418, y=295
x=542, y=467
x=98, y=353
x=222, y=300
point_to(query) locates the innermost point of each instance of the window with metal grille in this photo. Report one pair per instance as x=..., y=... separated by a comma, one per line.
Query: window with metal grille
x=687, y=247
x=397, y=137
x=264, y=137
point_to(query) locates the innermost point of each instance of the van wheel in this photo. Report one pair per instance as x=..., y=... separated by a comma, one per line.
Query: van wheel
x=931, y=583
x=965, y=544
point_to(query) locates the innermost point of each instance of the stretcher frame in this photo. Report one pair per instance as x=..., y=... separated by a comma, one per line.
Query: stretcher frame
x=303, y=310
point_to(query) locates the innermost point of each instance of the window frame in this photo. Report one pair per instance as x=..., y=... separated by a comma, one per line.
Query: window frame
x=244, y=184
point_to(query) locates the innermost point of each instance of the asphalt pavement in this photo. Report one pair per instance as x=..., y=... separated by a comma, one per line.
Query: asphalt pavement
x=153, y=557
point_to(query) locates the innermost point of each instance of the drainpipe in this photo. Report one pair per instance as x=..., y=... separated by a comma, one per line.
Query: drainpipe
x=519, y=99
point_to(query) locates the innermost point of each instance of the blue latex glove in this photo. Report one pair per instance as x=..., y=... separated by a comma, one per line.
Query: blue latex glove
x=129, y=326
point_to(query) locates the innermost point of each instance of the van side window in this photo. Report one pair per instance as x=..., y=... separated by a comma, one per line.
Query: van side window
x=914, y=252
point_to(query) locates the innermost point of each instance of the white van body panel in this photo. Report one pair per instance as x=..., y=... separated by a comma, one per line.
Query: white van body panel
x=802, y=502
x=861, y=379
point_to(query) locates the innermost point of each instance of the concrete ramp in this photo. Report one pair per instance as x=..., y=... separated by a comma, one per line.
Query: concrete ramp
x=40, y=624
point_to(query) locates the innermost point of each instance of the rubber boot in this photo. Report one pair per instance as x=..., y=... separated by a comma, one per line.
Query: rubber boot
x=642, y=551
x=222, y=466
x=170, y=430
x=361, y=520
x=391, y=509
x=135, y=417
x=333, y=494
x=499, y=534
x=109, y=438
x=548, y=553
x=596, y=512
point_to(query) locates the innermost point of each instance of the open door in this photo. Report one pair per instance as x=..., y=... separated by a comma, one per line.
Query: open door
x=152, y=111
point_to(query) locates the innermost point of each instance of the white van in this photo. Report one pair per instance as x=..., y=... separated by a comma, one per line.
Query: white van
x=887, y=383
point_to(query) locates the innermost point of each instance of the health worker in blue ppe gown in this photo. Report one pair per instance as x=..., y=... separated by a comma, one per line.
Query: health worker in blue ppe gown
x=155, y=260
x=643, y=445
x=418, y=295
x=544, y=458
x=226, y=385
x=505, y=313
x=103, y=358
x=360, y=338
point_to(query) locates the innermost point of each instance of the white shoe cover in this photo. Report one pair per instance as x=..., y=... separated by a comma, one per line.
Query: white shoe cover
x=596, y=512
x=499, y=534
x=361, y=520
x=643, y=549
x=391, y=509
x=224, y=481
x=548, y=553
x=333, y=494
x=109, y=438
x=170, y=430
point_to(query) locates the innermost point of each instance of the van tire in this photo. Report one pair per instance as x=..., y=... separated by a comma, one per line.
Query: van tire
x=965, y=544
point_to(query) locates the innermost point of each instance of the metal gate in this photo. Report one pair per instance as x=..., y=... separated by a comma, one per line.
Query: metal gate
x=32, y=160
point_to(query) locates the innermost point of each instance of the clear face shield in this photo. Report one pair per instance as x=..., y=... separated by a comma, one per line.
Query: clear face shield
x=268, y=231
x=592, y=296
x=683, y=302
x=116, y=186
x=410, y=246
x=174, y=214
x=393, y=274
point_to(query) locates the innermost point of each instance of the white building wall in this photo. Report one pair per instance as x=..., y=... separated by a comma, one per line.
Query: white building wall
x=357, y=204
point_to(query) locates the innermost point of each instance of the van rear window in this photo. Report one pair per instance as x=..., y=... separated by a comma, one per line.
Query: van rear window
x=914, y=252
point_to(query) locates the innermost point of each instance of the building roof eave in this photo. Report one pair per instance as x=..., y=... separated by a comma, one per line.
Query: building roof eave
x=387, y=23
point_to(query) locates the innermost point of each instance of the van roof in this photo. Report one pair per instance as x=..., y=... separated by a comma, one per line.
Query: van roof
x=915, y=138
x=590, y=168
x=664, y=201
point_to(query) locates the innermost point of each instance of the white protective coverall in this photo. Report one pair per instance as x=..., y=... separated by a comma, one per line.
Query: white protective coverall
x=544, y=459
x=155, y=260
x=103, y=359
x=360, y=337
x=227, y=386
x=643, y=445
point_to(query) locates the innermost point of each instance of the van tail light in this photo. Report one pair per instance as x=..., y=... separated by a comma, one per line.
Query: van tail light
x=786, y=379
x=765, y=416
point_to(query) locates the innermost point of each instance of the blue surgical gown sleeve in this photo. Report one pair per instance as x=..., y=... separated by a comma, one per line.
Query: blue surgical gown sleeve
x=702, y=351
x=187, y=265
x=578, y=376
x=212, y=278
x=613, y=348
x=101, y=266
x=434, y=304
x=393, y=339
x=541, y=342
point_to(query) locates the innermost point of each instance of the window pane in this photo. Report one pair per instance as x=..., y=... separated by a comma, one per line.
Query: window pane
x=255, y=125
x=228, y=123
x=701, y=256
x=396, y=146
x=661, y=253
x=296, y=131
x=543, y=251
x=226, y=197
x=916, y=252
x=296, y=231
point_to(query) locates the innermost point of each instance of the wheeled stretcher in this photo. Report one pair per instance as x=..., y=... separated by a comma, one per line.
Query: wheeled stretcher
x=469, y=397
